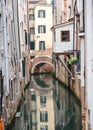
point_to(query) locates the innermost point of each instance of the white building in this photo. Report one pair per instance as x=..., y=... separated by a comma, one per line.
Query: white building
x=63, y=37
x=89, y=61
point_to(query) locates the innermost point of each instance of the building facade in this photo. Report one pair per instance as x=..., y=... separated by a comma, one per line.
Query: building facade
x=88, y=62
x=13, y=67
x=40, y=22
x=76, y=71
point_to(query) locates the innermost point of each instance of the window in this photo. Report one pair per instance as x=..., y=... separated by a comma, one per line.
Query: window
x=65, y=36
x=32, y=30
x=42, y=45
x=41, y=29
x=43, y=101
x=32, y=45
x=43, y=116
x=31, y=16
x=41, y=13
x=44, y=127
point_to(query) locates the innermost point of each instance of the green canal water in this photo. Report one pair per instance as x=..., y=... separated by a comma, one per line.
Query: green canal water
x=47, y=105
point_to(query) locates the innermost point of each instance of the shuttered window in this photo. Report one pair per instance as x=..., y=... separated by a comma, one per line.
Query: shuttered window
x=32, y=30
x=42, y=45
x=41, y=29
x=41, y=13
x=32, y=45
x=31, y=17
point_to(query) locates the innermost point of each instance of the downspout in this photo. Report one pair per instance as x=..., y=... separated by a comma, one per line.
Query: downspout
x=83, y=17
x=6, y=75
x=74, y=27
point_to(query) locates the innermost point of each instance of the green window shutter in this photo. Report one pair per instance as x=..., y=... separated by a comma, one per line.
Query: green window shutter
x=44, y=13
x=32, y=45
x=46, y=115
x=38, y=13
x=23, y=68
x=38, y=29
x=44, y=29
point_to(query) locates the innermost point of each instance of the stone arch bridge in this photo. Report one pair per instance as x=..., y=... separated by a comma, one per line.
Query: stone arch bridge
x=39, y=61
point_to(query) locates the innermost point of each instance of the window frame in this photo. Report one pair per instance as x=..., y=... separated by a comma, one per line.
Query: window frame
x=32, y=30
x=41, y=14
x=31, y=17
x=41, y=29
x=65, y=36
x=41, y=45
x=43, y=116
x=32, y=47
x=43, y=101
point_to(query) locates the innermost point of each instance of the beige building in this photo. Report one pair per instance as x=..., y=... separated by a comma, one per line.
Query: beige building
x=40, y=22
x=42, y=105
x=45, y=113
x=42, y=115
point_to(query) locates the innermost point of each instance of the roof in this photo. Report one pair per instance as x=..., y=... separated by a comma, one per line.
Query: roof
x=62, y=24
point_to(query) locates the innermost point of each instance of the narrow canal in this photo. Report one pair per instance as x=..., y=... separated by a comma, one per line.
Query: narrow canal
x=47, y=105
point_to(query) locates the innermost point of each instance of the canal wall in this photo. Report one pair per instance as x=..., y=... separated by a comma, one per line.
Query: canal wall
x=13, y=104
x=73, y=82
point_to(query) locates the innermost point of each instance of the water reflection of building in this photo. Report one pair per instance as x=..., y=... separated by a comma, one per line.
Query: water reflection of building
x=45, y=113
x=48, y=108
x=42, y=109
x=67, y=113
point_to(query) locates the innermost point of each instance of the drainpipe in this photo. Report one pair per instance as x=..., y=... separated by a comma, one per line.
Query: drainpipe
x=74, y=27
x=83, y=17
x=6, y=74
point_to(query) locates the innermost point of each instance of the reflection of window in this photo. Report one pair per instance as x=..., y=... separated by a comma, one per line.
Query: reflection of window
x=43, y=101
x=41, y=13
x=43, y=116
x=33, y=97
x=44, y=127
x=65, y=36
x=31, y=16
x=41, y=29
x=42, y=45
